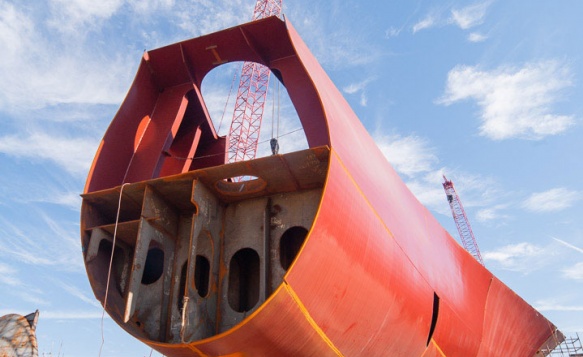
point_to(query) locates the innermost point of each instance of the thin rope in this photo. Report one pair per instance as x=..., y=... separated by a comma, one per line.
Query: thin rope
x=227, y=102
x=110, y=266
x=191, y=158
x=273, y=115
x=278, y=109
x=273, y=142
x=221, y=154
x=282, y=135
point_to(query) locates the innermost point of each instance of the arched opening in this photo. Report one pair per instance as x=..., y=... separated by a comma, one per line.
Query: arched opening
x=202, y=271
x=154, y=266
x=244, y=280
x=280, y=119
x=240, y=185
x=290, y=244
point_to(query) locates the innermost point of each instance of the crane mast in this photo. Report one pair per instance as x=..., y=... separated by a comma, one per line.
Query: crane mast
x=253, y=84
x=461, y=220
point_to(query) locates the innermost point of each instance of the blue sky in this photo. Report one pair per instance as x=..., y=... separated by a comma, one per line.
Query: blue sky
x=486, y=92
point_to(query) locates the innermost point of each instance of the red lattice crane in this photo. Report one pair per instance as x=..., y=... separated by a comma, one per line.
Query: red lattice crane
x=246, y=123
x=461, y=220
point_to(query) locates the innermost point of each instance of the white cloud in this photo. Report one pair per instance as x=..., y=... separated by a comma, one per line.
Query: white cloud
x=412, y=157
x=149, y=6
x=487, y=214
x=574, y=272
x=491, y=214
x=216, y=15
x=523, y=257
x=72, y=154
x=38, y=70
x=62, y=79
x=476, y=37
x=17, y=287
x=68, y=199
x=345, y=50
x=429, y=192
x=73, y=16
x=416, y=161
x=356, y=87
x=33, y=297
x=78, y=293
x=363, y=99
x=470, y=16
x=335, y=47
x=553, y=200
x=392, y=32
x=555, y=305
x=514, y=102
x=427, y=22
x=60, y=315
x=359, y=87
x=569, y=245
x=465, y=18
x=46, y=243
x=408, y=155
x=14, y=27
x=474, y=190
x=8, y=276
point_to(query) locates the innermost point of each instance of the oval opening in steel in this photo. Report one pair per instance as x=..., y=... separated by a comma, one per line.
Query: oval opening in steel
x=240, y=185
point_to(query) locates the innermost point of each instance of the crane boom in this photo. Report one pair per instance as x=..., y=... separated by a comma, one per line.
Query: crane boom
x=461, y=220
x=253, y=84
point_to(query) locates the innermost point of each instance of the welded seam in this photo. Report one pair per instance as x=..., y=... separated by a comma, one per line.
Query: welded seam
x=485, y=312
x=334, y=154
x=375, y=212
x=310, y=320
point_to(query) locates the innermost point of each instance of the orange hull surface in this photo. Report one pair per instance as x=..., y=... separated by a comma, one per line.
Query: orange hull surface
x=323, y=252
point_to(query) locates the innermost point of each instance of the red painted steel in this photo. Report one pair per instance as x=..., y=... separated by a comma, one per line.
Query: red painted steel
x=377, y=274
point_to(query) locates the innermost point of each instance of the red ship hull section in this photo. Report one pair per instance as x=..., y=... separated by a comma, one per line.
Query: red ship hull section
x=376, y=276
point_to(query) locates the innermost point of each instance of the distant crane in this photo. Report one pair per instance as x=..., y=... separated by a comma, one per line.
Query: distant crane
x=253, y=84
x=461, y=221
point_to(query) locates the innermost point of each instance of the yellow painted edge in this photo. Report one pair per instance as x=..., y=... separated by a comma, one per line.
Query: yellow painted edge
x=171, y=346
x=438, y=348
x=311, y=321
x=244, y=321
x=308, y=236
